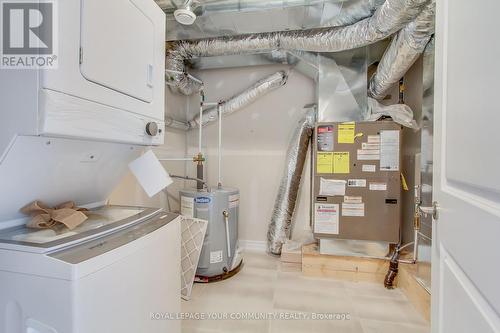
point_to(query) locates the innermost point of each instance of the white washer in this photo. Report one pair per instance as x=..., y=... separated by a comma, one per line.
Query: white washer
x=114, y=273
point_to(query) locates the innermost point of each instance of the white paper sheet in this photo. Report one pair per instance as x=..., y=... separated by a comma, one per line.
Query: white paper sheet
x=150, y=174
x=353, y=209
x=353, y=199
x=389, y=150
x=378, y=187
x=356, y=182
x=368, y=155
x=369, y=168
x=326, y=218
x=331, y=187
x=373, y=138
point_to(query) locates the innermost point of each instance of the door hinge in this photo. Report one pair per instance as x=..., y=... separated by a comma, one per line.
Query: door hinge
x=81, y=56
x=434, y=210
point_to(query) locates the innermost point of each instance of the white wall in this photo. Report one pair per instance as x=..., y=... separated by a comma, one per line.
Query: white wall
x=255, y=140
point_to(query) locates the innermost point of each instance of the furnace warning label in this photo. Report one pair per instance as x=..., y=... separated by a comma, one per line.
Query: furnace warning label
x=353, y=209
x=341, y=162
x=325, y=138
x=324, y=163
x=346, y=132
x=389, y=150
x=326, y=218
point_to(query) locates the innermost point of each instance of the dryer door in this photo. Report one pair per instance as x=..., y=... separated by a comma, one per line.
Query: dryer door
x=114, y=52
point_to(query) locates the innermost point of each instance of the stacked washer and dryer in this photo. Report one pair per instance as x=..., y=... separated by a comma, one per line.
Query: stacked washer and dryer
x=68, y=133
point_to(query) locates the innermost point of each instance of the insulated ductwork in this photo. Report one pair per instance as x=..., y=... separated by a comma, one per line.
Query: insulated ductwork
x=239, y=101
x=404, y=50
x=387, y=19
x=280, y=227
x=390, y=17
x=235, y=103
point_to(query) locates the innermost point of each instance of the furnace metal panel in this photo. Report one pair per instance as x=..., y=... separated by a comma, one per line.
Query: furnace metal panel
x=380, y=198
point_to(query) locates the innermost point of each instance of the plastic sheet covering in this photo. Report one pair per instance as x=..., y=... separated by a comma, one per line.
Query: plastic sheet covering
x=243, y=99
x=390, y=17
x=280, y=227
x=352, y=12
x=400, y=113
x=404, y=50
x=235, y=17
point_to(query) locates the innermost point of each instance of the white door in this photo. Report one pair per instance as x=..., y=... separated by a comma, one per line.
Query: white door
x=466, y=253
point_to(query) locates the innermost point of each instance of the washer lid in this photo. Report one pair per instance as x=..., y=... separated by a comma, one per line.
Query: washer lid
x=101, y=221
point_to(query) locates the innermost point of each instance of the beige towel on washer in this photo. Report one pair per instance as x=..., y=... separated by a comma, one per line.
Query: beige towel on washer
x=43, y=217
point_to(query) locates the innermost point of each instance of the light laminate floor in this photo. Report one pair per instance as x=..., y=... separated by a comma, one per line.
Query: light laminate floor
x=264, y=285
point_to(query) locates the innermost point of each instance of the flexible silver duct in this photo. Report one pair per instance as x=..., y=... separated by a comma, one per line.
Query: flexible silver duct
x=235, y=103
x=404, y=50
x=182, y=51
x=242, y=99
x=387, y=19
x=390, y=17
x=280, y=227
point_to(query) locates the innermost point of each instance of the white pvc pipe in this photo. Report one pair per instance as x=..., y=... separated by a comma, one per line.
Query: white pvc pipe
x=219, y=112
x=415, y=245
x=176, y=159
x=200, y=130
x=228, y=239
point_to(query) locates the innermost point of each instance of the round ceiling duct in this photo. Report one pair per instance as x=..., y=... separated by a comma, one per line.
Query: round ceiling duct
x=185, y=16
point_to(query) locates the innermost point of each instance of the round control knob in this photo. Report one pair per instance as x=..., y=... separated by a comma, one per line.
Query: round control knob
x=152, y=128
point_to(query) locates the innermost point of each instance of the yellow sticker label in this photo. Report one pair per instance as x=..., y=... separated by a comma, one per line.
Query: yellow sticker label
x=341, y=162
x=324, y=163
x=404, y=183
x=346, y=132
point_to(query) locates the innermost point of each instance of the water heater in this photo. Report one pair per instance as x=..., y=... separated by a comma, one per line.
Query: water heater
x=220, y=207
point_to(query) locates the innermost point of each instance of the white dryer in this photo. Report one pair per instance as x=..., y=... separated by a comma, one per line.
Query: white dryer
x=114, y=273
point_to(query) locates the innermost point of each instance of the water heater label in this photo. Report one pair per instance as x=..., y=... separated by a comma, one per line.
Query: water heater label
x=203, y=200
x=215, y=257
x=187, y=206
